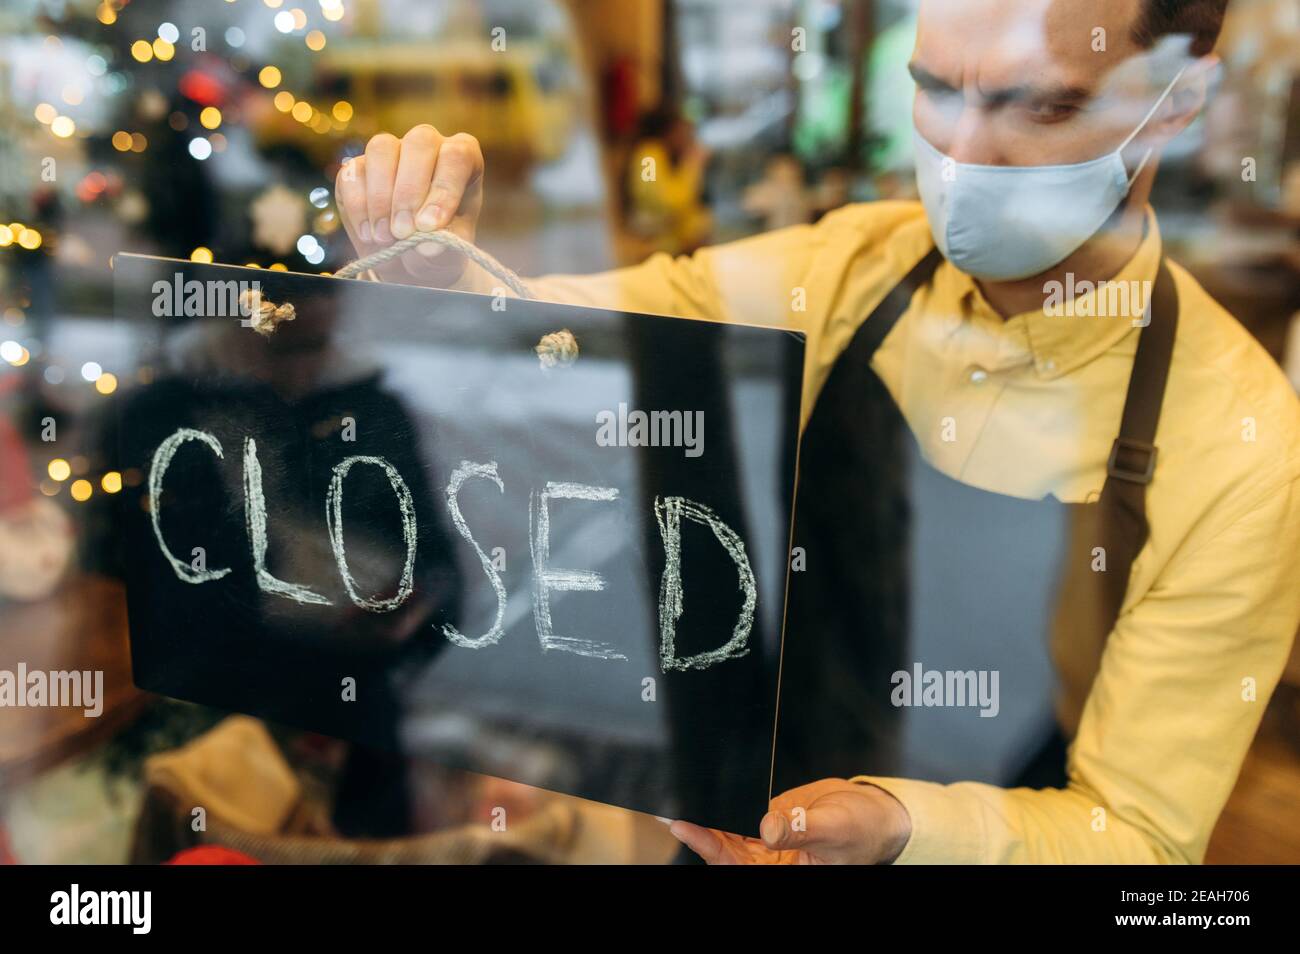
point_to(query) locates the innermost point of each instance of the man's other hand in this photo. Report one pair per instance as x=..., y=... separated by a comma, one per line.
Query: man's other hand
x=833, y=821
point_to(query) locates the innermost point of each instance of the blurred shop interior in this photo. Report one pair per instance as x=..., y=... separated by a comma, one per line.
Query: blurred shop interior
x=121, y=129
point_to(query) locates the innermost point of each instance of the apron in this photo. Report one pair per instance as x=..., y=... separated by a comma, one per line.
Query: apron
x=938, y=631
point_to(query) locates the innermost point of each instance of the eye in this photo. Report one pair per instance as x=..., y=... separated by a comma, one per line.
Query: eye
x=1049, y=112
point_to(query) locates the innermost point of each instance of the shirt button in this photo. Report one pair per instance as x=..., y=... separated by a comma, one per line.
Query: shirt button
x=977, y=376
x=1049, y=365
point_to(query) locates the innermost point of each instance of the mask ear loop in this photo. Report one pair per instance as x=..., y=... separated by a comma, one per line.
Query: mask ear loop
x=1142, y=125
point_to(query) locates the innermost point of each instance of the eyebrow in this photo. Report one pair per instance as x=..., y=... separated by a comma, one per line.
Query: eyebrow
x=1051, y=93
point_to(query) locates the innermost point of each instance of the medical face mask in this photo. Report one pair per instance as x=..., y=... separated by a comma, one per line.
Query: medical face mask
x=1005, y=223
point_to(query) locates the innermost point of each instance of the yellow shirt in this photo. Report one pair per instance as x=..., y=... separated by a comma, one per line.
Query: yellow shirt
x=1214, y=598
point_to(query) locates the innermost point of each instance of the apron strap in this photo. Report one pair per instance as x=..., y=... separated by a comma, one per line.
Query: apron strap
x=1132, y=462
x=867, y=339
x=1133, y=455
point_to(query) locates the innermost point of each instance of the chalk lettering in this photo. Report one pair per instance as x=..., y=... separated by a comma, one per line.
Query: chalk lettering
x=162, y=459
x=668, y=513
x=255, y=511
x=464, y=472
x=334, y=521
x=547, y=578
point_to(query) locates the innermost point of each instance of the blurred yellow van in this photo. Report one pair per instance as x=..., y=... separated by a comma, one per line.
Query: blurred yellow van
x=520, y=103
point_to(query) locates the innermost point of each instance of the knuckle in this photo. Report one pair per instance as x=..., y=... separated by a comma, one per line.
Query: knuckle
x=453, y=149
x=350, y=195
x=382, y=144
x=422, y=134
x=467, y=145
x=446, y=184
x=406, y=195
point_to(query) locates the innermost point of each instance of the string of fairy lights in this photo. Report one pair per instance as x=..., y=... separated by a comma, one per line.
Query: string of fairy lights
x=74, y=473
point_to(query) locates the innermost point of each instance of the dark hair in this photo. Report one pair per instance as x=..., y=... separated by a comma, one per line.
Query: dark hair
x=658, y=122
x=1201, y=20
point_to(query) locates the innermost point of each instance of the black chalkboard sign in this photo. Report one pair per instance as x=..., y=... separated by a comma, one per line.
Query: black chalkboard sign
x=386, y=520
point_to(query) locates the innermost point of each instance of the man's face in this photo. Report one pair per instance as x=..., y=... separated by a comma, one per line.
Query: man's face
x=1030, y=82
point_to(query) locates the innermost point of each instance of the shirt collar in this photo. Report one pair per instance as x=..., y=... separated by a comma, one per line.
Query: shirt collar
x=1077, y=324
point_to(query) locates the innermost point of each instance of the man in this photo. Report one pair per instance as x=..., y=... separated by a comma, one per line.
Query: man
x=1040, y=125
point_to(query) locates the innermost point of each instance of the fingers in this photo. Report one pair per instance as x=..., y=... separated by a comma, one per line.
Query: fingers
x=820, y=829
x=424, y=181
x=805, y=795
x=703, y=841
x=350, y=194
x=381, y=174
x=841, y=826
x=779, y=832
x=417, y=157
x=455, y=189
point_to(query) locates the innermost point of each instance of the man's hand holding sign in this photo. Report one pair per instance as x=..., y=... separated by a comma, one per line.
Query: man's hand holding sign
x=831, y=822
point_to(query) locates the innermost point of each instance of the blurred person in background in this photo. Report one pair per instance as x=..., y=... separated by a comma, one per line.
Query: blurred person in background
x=665, y=207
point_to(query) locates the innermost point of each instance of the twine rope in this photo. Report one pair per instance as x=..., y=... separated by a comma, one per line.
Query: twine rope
x=446, y=239
x=558, y=349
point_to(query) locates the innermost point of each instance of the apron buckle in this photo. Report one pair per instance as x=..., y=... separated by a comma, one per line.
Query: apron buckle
x=1140, y=474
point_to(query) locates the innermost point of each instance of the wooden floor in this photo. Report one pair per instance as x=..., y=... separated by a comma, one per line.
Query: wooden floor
x=1261, y=823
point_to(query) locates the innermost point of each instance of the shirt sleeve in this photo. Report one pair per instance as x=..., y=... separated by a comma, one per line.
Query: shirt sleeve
x=751, y=281
x=1183, y=683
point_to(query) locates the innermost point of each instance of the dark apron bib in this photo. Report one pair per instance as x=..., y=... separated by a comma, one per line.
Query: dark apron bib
x=908, y=571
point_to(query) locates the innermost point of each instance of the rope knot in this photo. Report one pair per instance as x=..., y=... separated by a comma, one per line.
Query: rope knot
x=263, y=316
x=558, y=349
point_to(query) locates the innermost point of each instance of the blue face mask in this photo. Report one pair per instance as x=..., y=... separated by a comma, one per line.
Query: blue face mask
x=1006, y=223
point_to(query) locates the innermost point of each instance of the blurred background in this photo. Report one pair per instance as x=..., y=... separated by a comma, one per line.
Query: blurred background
x=212, y=131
